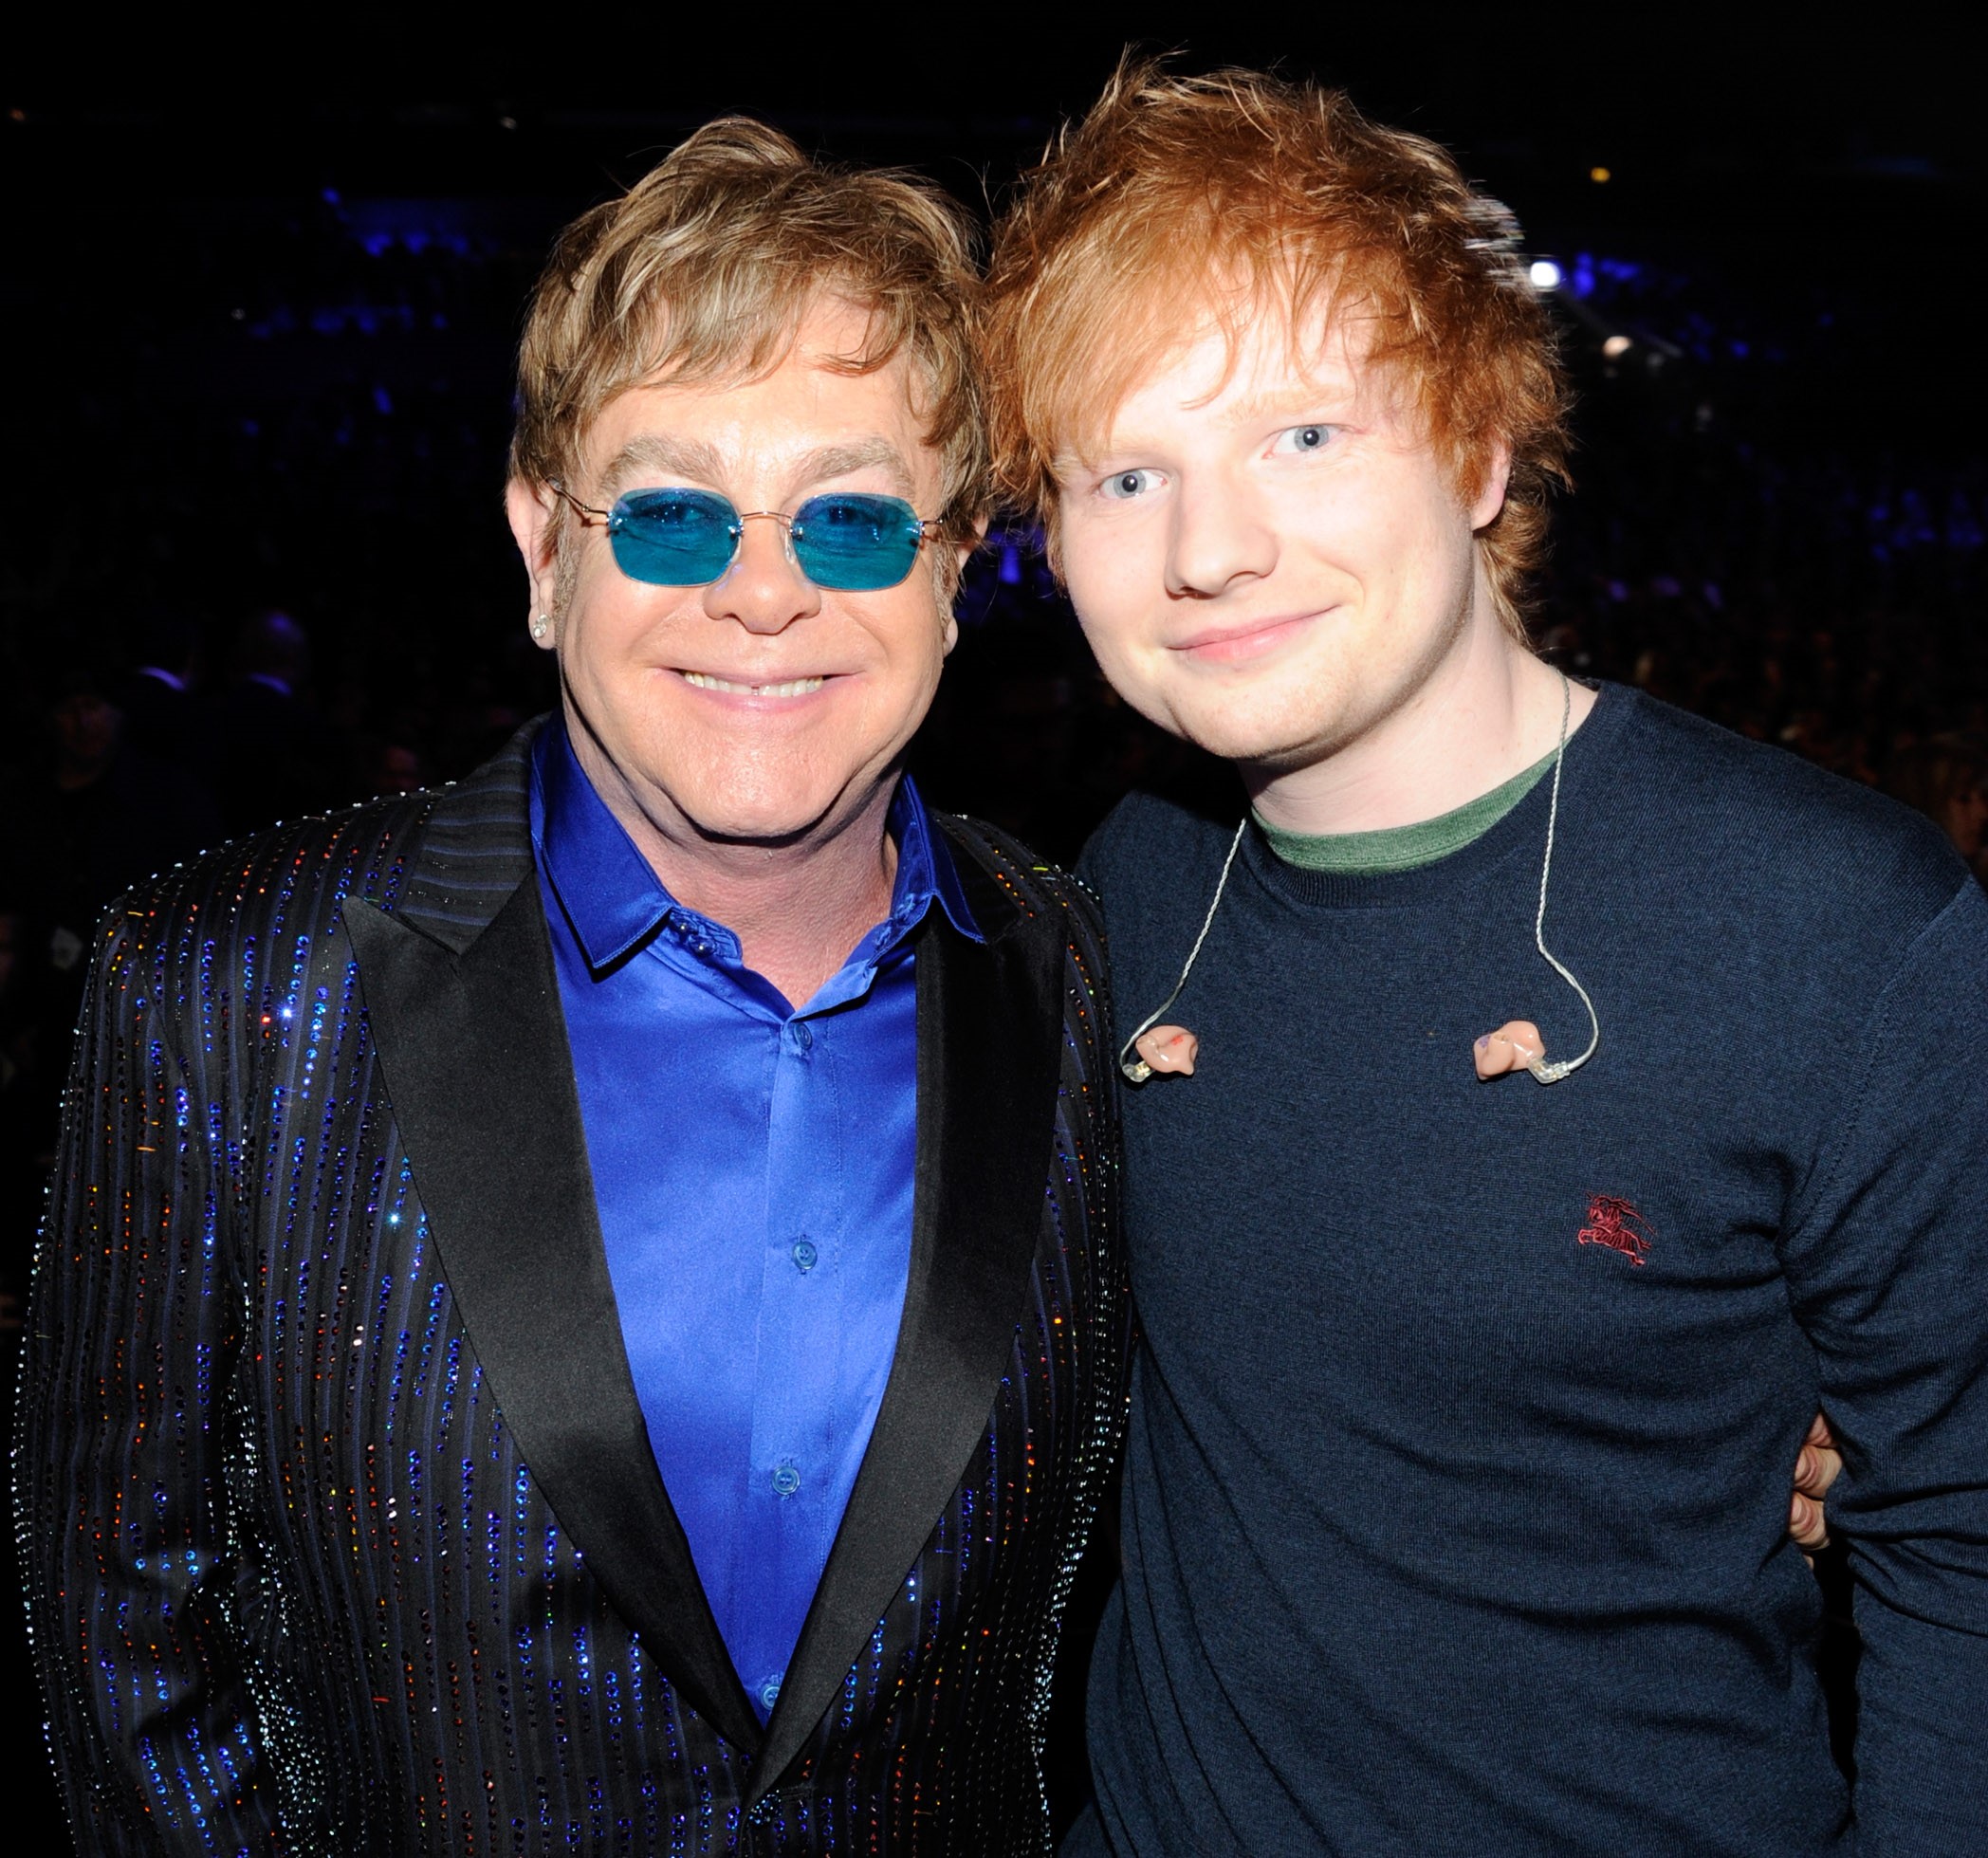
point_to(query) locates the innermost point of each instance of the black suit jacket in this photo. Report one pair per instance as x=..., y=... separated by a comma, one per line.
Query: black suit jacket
x=347, y=1532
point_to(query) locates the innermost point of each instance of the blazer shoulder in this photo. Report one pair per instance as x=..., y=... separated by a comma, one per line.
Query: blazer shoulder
x=288, y=880
x=1026, y=882
x=421, y=854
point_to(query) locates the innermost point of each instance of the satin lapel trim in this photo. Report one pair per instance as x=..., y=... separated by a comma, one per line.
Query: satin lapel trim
x=990, y=1030
x=481, y=1081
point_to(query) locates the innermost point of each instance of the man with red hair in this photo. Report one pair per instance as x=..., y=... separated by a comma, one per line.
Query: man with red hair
x=1452, y=1520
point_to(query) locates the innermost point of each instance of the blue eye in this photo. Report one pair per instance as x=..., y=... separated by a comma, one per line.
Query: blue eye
x=1121, y=487
x=1303, y=439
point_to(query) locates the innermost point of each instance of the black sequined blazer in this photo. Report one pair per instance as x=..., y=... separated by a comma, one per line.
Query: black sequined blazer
x=344, y=1530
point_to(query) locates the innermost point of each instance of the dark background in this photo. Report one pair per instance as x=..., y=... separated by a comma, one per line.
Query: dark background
x=259, y=312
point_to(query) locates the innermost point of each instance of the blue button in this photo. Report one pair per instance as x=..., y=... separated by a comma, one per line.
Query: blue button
x=804, y=1254
x=802, y=1034
x=769, y=1691
x=786, y=1479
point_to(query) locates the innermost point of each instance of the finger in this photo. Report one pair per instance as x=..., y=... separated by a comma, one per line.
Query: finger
x=1827, y=1465
x=1819, y=1433
x=1815, y=1470
x=1806, y=1524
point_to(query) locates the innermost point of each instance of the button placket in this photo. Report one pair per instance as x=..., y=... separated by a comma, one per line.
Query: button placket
x=793, y=1411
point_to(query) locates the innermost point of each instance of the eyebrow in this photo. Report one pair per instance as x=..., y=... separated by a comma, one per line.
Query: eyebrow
x=1324, y=406
x=876, y=453
x=689, y=458
x=1327, y=401
x=696, y=459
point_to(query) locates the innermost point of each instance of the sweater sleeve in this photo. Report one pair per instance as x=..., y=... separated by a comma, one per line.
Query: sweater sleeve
x=1886, y=1255
x=118, y=1484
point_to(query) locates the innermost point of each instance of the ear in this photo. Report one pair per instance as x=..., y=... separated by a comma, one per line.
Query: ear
x=1490, y=496
x=534, y=514
x=962, y=553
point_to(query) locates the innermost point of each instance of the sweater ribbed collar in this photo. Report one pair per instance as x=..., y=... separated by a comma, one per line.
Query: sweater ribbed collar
x=1522, y=829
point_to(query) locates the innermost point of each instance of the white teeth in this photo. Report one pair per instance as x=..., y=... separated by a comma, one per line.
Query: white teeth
x=798, y=687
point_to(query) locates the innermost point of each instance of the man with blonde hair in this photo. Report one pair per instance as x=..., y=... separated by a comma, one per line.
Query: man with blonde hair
x=581, y=1310
x=1544, y=1100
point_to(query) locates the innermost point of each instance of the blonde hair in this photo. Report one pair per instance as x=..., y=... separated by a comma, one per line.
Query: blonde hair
x=1179, y=201
x=704, y=270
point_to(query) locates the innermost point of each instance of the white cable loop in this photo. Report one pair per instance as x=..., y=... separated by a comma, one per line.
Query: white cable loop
x=1552, y=1074
x=1137, y=1070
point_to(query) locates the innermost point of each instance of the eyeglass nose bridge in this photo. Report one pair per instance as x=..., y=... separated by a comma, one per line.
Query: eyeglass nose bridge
x=737, y=526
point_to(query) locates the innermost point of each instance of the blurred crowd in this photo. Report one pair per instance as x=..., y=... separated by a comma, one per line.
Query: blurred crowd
x=307, y=595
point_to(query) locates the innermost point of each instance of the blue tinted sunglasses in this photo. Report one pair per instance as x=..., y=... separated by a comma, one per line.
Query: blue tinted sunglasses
x=847, y=541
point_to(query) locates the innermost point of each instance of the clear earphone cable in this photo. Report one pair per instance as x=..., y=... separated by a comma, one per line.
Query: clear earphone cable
x=1137, y=1070
x=1552, y=1074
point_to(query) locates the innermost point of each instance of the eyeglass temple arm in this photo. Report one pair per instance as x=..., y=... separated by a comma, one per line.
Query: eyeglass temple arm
x=584, y=509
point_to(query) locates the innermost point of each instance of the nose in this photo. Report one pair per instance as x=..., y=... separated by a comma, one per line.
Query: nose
x=763, y=590
x=1219, y=539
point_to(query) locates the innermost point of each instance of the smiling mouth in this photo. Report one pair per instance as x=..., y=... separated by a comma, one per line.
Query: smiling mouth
x=1233, y=644
x=795, y=686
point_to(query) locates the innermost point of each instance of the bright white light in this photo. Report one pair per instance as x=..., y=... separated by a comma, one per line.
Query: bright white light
x=1616, y=345
x=1545, y=274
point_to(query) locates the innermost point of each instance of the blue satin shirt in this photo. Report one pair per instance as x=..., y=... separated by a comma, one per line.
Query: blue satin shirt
x=753, y=1165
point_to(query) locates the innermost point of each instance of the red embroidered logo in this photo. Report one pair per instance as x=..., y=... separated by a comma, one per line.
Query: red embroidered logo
x=1618, y=1225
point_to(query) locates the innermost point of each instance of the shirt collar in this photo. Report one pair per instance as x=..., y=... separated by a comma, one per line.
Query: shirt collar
x=926, y=872
x=614, y=902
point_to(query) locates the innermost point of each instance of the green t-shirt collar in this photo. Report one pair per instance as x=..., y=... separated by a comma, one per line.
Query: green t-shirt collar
x=1404, y=848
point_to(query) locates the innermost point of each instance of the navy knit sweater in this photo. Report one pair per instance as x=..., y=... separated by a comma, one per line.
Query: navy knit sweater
x=1456, y=1496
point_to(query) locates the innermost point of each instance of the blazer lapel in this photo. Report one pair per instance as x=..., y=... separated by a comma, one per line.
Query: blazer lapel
x=990, y=1033
x=473, y=1046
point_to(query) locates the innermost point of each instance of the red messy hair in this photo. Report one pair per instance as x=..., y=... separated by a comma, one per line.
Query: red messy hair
x=1181, y=202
